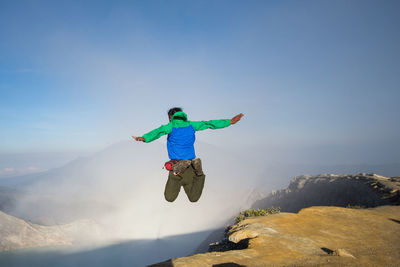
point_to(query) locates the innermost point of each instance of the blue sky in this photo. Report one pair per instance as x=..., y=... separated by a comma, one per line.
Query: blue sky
x=309, y=75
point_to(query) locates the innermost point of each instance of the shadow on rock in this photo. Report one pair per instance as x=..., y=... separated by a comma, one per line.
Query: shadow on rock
x=130, y=253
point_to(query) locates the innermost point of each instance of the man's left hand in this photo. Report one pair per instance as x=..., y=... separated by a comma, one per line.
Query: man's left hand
x=236, y=118
x=138, y=138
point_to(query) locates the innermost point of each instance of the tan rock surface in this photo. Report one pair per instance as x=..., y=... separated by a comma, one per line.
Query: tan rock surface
x=315, y=236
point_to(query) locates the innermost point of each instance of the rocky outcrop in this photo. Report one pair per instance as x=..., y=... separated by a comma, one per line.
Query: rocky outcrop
x=327, y=230
x=368, y=190
x=315, y=236
x=16, y=233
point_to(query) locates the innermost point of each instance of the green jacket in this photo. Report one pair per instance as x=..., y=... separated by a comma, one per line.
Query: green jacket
x=181, y=134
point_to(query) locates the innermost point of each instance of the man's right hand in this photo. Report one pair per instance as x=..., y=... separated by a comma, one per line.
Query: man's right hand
x=138, y=138
x=236, y=118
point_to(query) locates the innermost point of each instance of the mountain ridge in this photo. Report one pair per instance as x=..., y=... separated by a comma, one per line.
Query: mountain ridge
x=16, y=233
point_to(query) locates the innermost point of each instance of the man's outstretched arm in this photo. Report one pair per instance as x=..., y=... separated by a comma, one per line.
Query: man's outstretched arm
x=215, y=124
x=154, y=134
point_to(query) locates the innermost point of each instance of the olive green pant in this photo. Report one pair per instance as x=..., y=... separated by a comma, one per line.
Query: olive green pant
x=192, y=184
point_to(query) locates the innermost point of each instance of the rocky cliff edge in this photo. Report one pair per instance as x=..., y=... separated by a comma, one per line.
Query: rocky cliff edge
x=317, y=235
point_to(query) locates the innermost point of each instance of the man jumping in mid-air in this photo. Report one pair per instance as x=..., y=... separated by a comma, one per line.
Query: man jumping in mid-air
x=184, y=168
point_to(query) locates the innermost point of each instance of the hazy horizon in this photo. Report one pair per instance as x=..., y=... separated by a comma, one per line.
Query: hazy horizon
x=17, y=164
